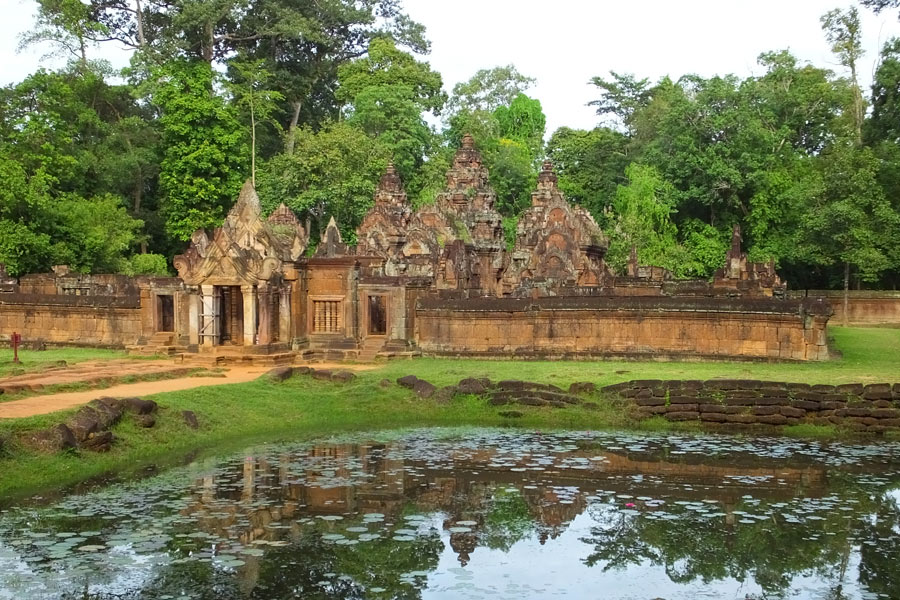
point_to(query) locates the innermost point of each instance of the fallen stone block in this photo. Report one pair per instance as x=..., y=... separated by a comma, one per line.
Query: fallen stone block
x=85, y=423
x=343, y=376
x=471, y=385
x=582, y=387
x=445, y=394
x=140, y=406
x=145, y=421
x=408, y=381
x=423, y=389
x=190, y=419
x=52, y=440
x=279, y=374
x=321, y=374
x=98, y=442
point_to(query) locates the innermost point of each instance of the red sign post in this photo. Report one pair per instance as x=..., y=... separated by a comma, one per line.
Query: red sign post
x=16, y=340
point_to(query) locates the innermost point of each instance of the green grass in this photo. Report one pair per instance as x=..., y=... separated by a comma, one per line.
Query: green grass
x=232, y=416
x=870, y=355
x=37, y=360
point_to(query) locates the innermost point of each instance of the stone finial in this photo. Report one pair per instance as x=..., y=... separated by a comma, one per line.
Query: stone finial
x=633, y=262
x=736, y=240
x=390, y=187
x=547, y=178
x=468, y=142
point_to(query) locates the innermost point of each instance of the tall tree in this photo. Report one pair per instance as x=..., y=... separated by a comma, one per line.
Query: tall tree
x=850, y=222
x=387, y=91
x=487, y=90
x=205, y=154
x=333, y=173
x=842, y=30
x=250, y=87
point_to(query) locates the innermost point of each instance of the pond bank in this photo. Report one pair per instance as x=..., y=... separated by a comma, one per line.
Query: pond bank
x=301, y=406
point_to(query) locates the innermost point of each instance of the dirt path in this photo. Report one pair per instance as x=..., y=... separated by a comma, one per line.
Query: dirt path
x=40, y=405
x=91, y=372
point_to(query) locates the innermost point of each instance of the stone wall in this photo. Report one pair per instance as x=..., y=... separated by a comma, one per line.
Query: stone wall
x=661, y=327
x=874, y=407
x=71, y=320
x=866, y=307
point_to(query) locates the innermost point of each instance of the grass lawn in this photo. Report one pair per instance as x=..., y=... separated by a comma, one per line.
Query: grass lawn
x=233, y=416
x=36, y=360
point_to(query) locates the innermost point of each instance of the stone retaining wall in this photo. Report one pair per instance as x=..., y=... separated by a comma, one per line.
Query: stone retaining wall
x=106, y=321
x=662, y=327
x=874, y=407
x=865, y=307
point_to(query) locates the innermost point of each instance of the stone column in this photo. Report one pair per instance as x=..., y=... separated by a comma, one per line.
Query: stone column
x=194, y=303
x=249, y=294
x=264, y=331
x=210, y=321
x=284, y=315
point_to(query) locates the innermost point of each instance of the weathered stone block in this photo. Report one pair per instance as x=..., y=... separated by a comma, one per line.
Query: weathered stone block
x=713, y=417
x=280, y=373
x=190, y=419
x=424, y=389
x=681, y=408
x=683, y=415
x=778, y=419
x=766, y=410
x=790, y=411
x=582, y=387
x=407, y=381
x=849, y=388
x=741, y=419
x=805, y=404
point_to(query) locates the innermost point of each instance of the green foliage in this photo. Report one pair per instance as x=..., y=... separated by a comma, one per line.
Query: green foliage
x=590, y=165
x=642, y=211
x=205, y=155
x=23, y=250
x=523, y=121
x=149, y=264
x=851, y=221
x=509, y=232
x=387, y=91
x=332, y=172
x=487, y=90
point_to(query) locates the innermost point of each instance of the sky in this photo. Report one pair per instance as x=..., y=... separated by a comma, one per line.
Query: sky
x=562, y=44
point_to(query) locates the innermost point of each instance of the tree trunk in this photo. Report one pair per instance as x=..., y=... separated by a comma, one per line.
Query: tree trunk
x=142, y=41
x=252, y=144
x=846, y=293
x=295, y=118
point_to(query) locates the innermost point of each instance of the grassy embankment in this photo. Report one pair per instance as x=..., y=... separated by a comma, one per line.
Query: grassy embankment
x=232, y=416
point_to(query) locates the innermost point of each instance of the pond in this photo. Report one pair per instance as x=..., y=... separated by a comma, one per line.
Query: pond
x=479, y=513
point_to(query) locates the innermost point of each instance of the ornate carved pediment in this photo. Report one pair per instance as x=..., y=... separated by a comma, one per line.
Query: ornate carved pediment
x=246, y=249
x=556, y=241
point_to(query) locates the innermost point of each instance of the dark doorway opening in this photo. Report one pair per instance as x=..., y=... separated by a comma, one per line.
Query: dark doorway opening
x=165, y=306
x=232, y=311
x=377, y=316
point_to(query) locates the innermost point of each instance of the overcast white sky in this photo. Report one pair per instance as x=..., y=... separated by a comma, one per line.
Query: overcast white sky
x=565, y=42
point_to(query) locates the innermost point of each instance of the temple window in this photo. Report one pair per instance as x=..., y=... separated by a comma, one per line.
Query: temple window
x=326, y=316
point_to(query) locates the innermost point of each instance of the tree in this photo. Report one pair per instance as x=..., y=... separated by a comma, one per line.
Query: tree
x=249, y=87
x=205, y=156
x=843, y=32
x=487, y=90
x=642, y=220
x=621, y=96
x=386, y=92
x=523, y=121
x=332, y=173
x=591, y=165
x=880, y=5
x=850, y=222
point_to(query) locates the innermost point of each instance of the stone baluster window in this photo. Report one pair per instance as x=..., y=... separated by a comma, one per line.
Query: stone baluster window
x=327, y=316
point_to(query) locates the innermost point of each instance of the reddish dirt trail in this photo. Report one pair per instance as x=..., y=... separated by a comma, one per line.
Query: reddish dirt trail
x=40, y=405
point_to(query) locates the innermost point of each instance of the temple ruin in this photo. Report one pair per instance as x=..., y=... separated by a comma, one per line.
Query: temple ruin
x=438, y=280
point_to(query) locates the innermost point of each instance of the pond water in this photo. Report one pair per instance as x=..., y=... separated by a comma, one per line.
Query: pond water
x=479, y=513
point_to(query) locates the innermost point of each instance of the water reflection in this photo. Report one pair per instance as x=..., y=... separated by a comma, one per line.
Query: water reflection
x=476, y=514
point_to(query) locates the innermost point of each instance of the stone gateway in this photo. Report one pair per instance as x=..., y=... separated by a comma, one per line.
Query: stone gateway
x=439, y=280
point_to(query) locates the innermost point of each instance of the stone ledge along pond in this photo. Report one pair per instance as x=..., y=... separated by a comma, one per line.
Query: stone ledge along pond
x=479, y=513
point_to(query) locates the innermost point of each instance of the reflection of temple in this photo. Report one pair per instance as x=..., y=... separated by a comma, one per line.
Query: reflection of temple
x=246, y=504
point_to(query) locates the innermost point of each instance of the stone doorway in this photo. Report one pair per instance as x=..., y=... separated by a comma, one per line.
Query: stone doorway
x=165, y=313
x=377, y=316
x=232, y=315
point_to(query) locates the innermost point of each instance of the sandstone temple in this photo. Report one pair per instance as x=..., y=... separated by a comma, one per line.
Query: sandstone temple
x=438, y=280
